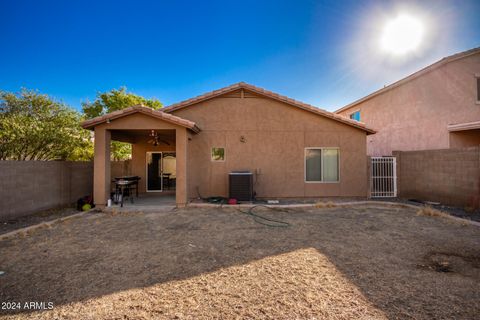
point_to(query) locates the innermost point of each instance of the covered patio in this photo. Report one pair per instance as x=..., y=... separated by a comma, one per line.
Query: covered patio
x=159, y=153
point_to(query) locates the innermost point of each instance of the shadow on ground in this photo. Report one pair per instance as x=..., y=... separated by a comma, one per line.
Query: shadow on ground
x=393, y=258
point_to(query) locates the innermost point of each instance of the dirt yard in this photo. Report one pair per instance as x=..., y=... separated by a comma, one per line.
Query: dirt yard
x=331, y=263
x=11, y=224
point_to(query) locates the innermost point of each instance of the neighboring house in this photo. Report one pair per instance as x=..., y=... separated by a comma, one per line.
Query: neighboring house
x=437, y=107
x=294, y=150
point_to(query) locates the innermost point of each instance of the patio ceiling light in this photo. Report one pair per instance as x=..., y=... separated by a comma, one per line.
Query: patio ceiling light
x=155, y=139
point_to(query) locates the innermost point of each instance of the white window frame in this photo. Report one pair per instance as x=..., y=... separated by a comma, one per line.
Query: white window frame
x=321, y=165
x=224, y=154
x=353, y=112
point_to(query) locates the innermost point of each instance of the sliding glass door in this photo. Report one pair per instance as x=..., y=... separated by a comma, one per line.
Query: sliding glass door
x=161, y=171
x=154, y=171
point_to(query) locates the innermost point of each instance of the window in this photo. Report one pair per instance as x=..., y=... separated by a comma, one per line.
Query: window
x=322, y=164
x=313, y=165
x=478, y=88
x=355, y=115
x=218, y=154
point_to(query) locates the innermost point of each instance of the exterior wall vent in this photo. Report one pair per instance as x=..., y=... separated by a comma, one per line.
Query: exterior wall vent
x=240, y=185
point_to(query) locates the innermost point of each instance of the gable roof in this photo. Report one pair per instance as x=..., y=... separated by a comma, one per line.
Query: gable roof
x=91, y=123
x=413, y=76
x=271, y=95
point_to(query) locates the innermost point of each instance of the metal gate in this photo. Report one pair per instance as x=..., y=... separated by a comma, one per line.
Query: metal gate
x=383, y=177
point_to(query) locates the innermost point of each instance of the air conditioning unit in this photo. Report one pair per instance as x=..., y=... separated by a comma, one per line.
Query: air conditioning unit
x=240, y=185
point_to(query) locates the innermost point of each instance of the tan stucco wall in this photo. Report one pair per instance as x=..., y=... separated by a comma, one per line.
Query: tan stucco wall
x=137, y=121
x=415, y=115
x=276, y=135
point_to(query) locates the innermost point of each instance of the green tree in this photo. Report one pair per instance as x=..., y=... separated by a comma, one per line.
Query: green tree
x=34, y=126
x=114, y=100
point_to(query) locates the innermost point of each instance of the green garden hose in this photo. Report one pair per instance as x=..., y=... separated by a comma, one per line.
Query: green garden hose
x=256, y=217
x=264, y=220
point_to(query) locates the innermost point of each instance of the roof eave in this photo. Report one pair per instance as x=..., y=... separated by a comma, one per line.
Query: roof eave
x=92, y=123
x=475, y=125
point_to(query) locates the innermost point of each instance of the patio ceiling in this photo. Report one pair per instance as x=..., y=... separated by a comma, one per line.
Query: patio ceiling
x=136, y=136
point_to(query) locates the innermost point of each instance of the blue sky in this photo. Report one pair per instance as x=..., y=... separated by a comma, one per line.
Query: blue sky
x=320, y=52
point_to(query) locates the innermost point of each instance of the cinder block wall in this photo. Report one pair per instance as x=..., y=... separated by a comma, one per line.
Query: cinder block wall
x=120, y=168
x=30, y=186
x=449, y=176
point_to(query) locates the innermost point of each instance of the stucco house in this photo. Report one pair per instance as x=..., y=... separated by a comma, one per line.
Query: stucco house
x=292, y=149
x=437, y=107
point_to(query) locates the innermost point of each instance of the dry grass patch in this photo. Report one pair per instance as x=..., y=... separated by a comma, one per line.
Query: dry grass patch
x=431, y=212
x=302, y=284
x=322, y=204
x=217, y=263
x=469, y=209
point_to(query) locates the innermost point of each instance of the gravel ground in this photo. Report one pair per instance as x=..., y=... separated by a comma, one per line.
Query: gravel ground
x=463, y=213
x=459, y=212
x=367, y=262
x=7, y=225
x=284, y=201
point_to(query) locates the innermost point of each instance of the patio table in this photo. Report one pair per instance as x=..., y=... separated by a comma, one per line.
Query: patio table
x=124, y=185
x=135, y=179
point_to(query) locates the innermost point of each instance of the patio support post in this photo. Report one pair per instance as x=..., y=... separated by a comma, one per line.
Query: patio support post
x=101, y=167
x=181, y=154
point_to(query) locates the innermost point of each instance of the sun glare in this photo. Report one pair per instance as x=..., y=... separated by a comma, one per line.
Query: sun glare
x=402, y=35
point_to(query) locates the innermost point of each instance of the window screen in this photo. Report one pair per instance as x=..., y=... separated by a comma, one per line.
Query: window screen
x=330, y=165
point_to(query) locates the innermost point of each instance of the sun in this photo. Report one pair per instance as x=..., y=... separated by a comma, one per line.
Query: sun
x=402, y=35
